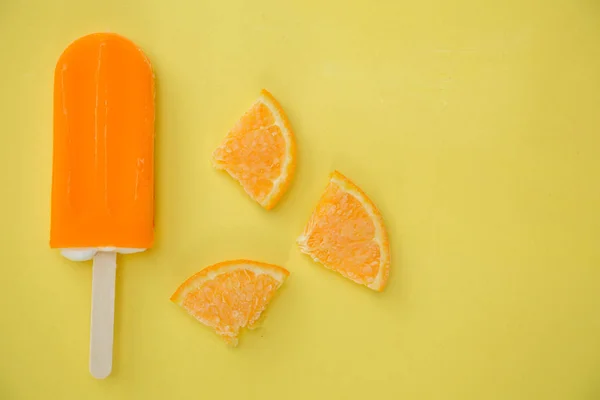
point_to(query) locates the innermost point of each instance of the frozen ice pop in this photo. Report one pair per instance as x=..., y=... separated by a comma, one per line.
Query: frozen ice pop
x=103, y=167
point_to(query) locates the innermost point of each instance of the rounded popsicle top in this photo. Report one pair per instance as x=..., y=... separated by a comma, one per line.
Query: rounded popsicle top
x=96, y=40
x=103, y=157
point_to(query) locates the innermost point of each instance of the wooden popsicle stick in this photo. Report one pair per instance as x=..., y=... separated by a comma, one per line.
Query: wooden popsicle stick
x=103, y=312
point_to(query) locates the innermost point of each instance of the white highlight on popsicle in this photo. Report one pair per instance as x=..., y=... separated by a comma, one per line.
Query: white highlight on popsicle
x=87, y=253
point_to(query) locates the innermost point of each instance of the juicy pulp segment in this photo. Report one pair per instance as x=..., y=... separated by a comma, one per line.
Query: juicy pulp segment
x=345, y=233
x=230, y=296
x=259, y=151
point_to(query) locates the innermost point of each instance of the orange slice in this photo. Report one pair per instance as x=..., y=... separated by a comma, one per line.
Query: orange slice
x=346, y=234
x=230, y=295
x=260, y=151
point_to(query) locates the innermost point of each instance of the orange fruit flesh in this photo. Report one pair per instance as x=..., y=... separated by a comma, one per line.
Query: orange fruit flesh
x=103, y=174
x=230, y=296
x=345, y=233
x=259, y=152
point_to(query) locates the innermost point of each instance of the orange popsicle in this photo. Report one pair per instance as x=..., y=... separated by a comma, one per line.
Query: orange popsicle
x=103, y=177
x=103, y=168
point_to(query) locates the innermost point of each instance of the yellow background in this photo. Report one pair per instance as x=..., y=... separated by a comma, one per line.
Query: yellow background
x=474, y=127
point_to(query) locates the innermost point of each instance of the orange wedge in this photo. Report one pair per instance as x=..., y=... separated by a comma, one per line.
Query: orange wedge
x=346, y=234
x=230, y=295
x=260, y=151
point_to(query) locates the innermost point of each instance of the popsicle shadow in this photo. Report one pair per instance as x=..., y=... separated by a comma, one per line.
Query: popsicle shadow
x=144, y=260
x=158, y=144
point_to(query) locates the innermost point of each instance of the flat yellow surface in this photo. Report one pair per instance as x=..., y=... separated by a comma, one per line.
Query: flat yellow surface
x=474, y=127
